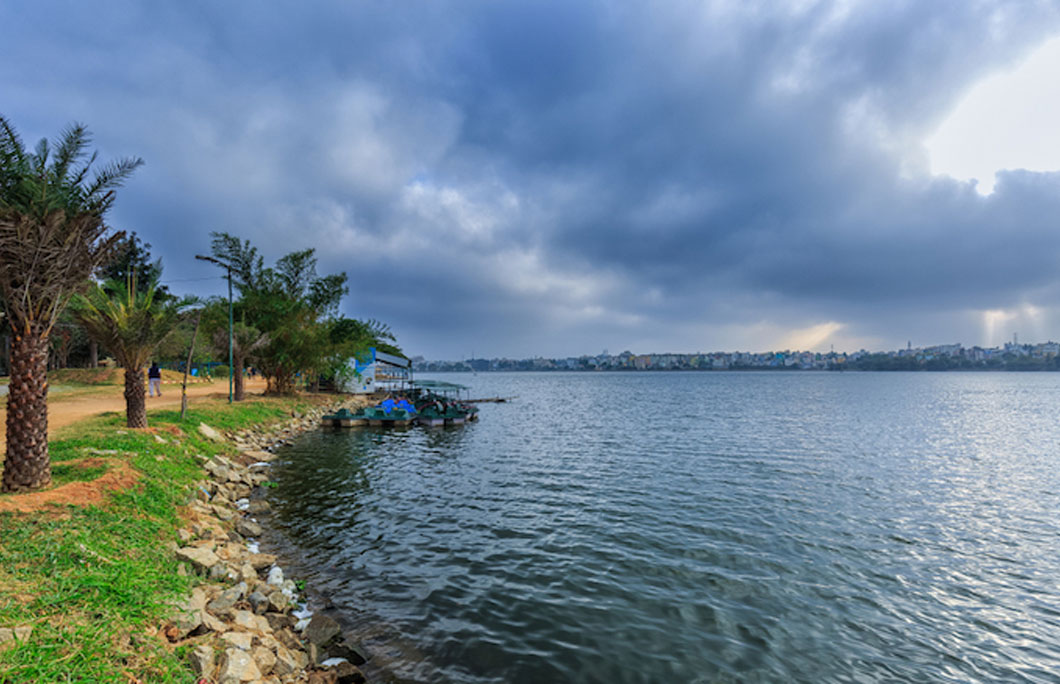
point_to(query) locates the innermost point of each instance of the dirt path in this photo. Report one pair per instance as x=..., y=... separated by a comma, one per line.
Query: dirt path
x=66, y=409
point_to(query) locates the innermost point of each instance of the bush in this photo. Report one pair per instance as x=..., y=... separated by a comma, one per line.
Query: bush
x=220, y=372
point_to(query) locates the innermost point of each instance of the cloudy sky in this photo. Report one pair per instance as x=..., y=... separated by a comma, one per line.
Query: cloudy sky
x=555, y=178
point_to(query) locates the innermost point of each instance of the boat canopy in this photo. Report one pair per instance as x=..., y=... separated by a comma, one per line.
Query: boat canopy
x=438, y=386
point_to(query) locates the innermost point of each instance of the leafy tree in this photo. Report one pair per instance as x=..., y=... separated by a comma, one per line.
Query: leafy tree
x=132, y=257
x=246, y=339
x=288, y=304
x=52, y=237
x=130, y=324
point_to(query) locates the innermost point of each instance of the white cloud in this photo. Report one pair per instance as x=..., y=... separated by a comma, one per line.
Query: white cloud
x=1006, y=121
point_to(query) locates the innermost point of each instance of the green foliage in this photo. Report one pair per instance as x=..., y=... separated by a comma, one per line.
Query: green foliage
x=285, y=312
x=55, y=176
x=128, y=321
x=132, y=259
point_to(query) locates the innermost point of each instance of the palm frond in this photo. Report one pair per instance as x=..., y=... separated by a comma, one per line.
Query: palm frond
x=113, y=174
x=68, y=149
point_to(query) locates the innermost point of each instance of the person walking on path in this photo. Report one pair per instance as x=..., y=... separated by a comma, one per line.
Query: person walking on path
x=154, y=380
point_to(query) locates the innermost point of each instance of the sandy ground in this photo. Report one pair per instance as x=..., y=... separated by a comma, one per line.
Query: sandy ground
x=68, y=408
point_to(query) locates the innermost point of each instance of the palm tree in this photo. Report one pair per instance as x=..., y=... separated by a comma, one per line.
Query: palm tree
x=130, y=323
x=52, y=236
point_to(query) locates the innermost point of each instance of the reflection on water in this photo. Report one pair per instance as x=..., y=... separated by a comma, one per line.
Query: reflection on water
x=683, y=527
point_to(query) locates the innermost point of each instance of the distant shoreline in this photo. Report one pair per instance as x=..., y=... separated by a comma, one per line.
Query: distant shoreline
x=760, y=369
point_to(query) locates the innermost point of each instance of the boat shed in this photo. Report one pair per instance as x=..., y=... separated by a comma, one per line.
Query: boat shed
x=378, y=371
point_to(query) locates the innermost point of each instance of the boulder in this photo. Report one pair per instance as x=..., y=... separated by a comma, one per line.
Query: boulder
x=260, y=561
x=258, y=507
x=278, y=601
x=224, y=603
x=248, y=528
x=321, y=630
x=187, y=615
x=248, y=574
x=348, y=650
x=289, y=661
x=348, y=673
x=244, y=619
x=265, y=659
x=202, y=559
x=237, y=666
x=278, y=620
x=259, y=602
x=209, y=433
x=202, y=660
x=241, y=640
x=213, y=623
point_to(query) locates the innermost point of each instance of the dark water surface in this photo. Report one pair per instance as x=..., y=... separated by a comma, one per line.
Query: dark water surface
x=698, y=527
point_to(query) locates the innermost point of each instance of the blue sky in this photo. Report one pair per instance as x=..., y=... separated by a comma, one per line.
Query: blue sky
x=556, y=178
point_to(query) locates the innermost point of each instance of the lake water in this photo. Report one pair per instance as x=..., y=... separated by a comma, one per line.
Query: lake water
x=697, y=527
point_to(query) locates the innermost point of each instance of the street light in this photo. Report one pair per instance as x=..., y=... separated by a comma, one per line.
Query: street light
x=227, y=268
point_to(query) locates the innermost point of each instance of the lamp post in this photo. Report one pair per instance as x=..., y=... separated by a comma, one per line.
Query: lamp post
x=228, y=270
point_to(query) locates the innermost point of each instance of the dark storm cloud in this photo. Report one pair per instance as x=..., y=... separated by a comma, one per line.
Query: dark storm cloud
x=558, y=177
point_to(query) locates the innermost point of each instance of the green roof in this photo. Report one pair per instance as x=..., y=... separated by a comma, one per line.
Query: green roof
x=439, y=385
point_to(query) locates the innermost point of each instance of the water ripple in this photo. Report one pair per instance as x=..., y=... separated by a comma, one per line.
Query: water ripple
x=706, y=527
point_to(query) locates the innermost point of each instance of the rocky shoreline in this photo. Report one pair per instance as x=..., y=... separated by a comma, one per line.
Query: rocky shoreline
x=245, y=623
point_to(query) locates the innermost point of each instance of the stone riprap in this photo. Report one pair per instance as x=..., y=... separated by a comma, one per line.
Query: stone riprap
x=240, y=621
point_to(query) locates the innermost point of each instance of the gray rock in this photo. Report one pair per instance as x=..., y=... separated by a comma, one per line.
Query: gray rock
x=278, y=601
x=349, y=650
x=241, y=640
x=228, y=598
x=237, y=666
x=289, y=661
x=260, y=561
x=202, y=660
x=258, y=507
x=187, y=616
x=278, y=620
x=201, y=559
x=213, y=623
x=209, y=433
x=218, y=572
x=265, y=659
x=259, y=603
x=321, y=630
x=348, y=673
x=223, y=513
x=248, y=528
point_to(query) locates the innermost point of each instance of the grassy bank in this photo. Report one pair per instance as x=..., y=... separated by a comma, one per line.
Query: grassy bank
x=94, y=581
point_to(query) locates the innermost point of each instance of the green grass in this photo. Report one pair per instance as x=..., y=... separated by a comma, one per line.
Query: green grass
x=94, y=581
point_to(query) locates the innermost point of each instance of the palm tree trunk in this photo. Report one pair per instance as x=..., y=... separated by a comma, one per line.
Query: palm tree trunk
x=135, y=400
x=27, y=465
x=238, y=393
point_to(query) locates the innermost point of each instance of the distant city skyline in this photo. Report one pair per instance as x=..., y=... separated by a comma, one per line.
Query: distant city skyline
x=549, y=177
x=729, y=358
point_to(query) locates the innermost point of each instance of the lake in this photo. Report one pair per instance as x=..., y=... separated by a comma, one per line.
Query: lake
x=695, y=527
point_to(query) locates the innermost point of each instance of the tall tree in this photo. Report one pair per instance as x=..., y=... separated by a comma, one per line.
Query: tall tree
x=130, y=324
x=52, y=237
x=133, y=256
x=288, y=303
